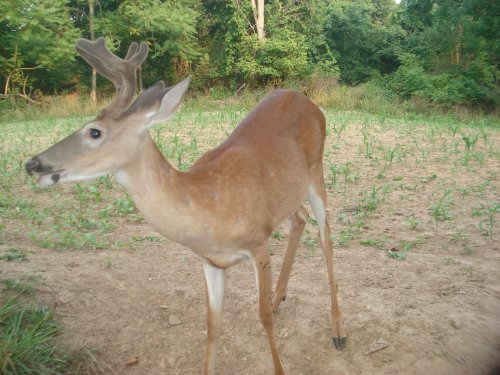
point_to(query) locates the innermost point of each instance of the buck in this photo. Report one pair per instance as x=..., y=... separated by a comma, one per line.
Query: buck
x=227, y=205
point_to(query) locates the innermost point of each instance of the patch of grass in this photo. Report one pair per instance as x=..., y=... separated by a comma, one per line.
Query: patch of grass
x=13, y=255
x=467, y=248
x=414, y=223
x=65, y=239
x=441, y=209
x=345, y=236
x=146, y=239
x=371, y=199
x=278, y=235
x=378, y=244
x=28, y=336
x=470, y=141
x=18, y=286
x=400, y=252
x=85, y=193
x=489, y=212
x=309, y=240
x=124, y=206
x=28, y=340
x=2, y=234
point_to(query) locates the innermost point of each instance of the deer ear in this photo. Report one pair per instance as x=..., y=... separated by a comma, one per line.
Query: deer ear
x=170, y=101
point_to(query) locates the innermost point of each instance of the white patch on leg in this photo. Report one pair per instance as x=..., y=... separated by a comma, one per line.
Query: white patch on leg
x=215, y=278
x=256, y=274
x=318, y=208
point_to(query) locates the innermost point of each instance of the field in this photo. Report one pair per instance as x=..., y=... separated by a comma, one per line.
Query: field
x=414, y=208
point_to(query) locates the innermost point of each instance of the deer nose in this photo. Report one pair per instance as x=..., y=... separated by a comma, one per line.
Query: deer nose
x=33, y=165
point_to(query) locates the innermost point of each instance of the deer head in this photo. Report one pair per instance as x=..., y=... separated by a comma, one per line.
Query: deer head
x=113, y=138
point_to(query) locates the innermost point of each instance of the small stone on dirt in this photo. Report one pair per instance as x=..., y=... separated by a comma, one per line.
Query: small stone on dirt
x=455, y=323
x=174, y=320
x=132, y=361
x=377, y=345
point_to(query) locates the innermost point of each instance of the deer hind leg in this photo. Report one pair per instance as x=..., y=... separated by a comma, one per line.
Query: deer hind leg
x=262, y=266
x=317, y=198
x=297, y=224
x=214, y=281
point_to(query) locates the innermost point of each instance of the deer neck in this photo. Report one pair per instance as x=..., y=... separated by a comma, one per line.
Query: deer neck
x=159, y=192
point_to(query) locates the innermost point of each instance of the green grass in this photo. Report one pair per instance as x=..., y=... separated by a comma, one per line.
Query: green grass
x=14, y=255
x=87, y=215
x=487, y=212
x=28, y=336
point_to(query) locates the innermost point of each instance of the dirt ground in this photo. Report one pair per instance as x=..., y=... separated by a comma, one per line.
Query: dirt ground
x=435, y=312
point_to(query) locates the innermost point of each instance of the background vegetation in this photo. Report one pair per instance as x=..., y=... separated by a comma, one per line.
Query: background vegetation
x=441, y=53
x=387, y=164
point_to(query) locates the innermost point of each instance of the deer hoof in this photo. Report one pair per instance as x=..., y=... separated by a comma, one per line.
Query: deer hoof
x=340, y=343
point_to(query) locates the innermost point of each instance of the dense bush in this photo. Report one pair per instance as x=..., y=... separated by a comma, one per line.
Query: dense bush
x=454, y=87
x=444, y=52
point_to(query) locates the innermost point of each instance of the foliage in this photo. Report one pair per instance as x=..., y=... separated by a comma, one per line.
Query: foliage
x=235, y=53
x=273, y=59
x=438, y=52
x=28, y=335
x=455, y=51
x=363, y=38
x=37, y=45
x=27, y=340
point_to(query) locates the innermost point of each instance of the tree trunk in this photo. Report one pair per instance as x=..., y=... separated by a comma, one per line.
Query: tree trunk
x=456, y=53
x=93, y=88
x=258, y=15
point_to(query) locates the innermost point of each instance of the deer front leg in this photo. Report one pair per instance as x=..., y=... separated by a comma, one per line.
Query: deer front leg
x=262, y=264
x=214, y=282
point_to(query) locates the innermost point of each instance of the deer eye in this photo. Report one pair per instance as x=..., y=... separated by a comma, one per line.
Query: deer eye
x=95, y=133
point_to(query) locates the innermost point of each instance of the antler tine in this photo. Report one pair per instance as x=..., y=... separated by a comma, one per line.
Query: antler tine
x=121, y=72
x=132, y=49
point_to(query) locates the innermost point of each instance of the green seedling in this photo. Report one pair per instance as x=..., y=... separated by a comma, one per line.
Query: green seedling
x=146, y=239
x=277, y=235
x=124, y=206
x=18, y=286
x=490, y=211
x=334, y=172
x=414, y=223
x=345, y=236
x=470, y=141
x=401, y=252
x=441, y=209
x=13, y=255
x=378, y=244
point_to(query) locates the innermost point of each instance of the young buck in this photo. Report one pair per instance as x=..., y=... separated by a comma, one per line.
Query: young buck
x=227, y=205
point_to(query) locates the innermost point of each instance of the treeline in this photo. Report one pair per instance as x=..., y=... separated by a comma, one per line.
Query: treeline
x=445, y=52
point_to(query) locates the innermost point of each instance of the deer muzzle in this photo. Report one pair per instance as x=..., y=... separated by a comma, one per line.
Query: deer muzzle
x=33, y=166
x=48, y=176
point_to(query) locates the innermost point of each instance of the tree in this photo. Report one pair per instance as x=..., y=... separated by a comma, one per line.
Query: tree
x=238, y=53
x=363, y=37
x=37, y=48
x=258, y=15
x=456, y=43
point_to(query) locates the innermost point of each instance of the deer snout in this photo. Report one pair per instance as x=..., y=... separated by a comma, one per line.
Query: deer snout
x=34, y=165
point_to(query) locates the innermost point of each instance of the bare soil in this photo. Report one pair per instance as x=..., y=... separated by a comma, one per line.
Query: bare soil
x=435, y=312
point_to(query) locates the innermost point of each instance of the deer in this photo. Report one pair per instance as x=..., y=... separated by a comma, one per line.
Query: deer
x=226, y=206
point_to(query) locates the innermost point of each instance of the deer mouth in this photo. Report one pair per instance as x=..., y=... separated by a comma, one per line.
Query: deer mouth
x=46, y=174
x=50, y=178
